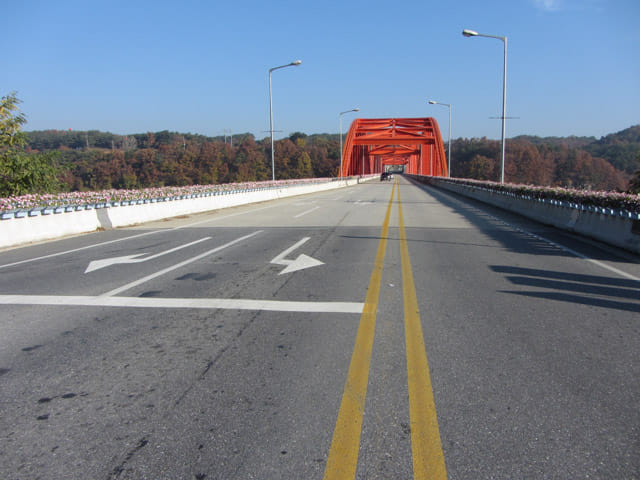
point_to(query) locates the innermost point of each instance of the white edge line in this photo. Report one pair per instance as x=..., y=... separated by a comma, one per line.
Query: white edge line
x=197, y=303
x=570, y=251
x=584, y=257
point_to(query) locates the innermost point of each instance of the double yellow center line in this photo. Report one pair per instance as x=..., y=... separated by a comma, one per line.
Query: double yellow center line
x=428, y=459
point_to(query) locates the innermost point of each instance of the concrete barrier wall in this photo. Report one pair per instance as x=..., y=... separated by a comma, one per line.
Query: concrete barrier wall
x=37, y=226
x=33, y=229
x=612, y=228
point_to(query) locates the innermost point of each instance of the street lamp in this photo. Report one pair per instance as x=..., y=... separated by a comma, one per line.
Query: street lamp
x=342, y=113
x=472, y=33
x=433, y=102
x=292, y=64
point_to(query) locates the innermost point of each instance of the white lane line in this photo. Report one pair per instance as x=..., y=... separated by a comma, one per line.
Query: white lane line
x=304, y=213
x=178, y=265
x=200, y=303
x=224, y=217
x=44, y=257
x=131, y=237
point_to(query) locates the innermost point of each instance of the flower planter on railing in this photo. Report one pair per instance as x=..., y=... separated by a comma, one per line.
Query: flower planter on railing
x=147, y=195
x=20, y=224
x=609, y=201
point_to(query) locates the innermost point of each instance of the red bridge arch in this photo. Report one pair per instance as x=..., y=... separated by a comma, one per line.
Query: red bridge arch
x=413, y=143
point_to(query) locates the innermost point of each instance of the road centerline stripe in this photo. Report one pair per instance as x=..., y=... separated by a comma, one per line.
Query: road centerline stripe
x=345, y=444
x=426, y=446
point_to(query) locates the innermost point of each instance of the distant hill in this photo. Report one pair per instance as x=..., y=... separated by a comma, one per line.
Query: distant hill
x=93, y=160
x=45, y=140
x=628, y=135
x=619, y=149
x=571, y=141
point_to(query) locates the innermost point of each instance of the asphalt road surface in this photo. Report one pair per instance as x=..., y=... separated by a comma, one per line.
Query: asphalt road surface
x=382, y=331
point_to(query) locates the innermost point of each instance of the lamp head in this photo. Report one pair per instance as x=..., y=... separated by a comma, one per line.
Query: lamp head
x=469, y=33
x=432, y=102
x=296, y=62
x=356, y=109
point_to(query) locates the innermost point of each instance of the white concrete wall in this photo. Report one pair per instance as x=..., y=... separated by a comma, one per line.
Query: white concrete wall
x=19, y=231
x=620, y=231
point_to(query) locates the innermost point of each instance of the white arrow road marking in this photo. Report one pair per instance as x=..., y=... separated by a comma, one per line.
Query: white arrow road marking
x=303, y=261
x=98, y=264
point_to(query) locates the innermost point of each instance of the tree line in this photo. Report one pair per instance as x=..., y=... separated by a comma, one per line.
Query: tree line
x=538, y=163
x=96, y=160
x=175, y=159
x=53, y=160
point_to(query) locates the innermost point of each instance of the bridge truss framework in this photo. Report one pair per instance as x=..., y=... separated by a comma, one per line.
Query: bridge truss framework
x=413, y=144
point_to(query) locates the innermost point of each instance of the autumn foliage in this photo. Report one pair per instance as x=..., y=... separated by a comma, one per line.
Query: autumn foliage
x=535, y=164
x=96, y=160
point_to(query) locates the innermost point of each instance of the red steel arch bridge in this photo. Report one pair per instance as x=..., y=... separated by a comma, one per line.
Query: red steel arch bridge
x=413, y=145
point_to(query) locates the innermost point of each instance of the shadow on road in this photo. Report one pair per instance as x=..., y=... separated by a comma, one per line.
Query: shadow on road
x=593, y=290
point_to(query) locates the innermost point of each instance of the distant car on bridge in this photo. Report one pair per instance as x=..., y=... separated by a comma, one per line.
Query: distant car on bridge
x=386, y=176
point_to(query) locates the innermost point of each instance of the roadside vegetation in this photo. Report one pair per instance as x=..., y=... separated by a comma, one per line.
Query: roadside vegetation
x=62, y=167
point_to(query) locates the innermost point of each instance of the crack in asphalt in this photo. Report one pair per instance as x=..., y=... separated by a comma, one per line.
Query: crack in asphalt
x=117, y=471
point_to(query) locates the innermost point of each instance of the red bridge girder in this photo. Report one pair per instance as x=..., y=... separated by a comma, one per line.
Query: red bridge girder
x=415, y=143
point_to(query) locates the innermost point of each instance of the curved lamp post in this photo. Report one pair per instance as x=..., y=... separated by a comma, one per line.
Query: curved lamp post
x=472, y=33
x=342, y=113
x=433, y=102
x=292, y=64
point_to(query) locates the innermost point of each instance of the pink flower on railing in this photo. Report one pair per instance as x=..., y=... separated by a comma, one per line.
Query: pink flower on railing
x=33, y=201
x=614, y=200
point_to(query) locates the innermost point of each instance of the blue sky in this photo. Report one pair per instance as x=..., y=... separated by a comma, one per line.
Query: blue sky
x=202, y=66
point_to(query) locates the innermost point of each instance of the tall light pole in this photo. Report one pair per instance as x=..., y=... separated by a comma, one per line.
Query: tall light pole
x=433, y=102
x=471, y=33
x=292, y=64
x=342, y=113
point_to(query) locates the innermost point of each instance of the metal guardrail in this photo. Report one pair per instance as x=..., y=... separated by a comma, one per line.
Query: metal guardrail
x=615, y=227
x=54, y=210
